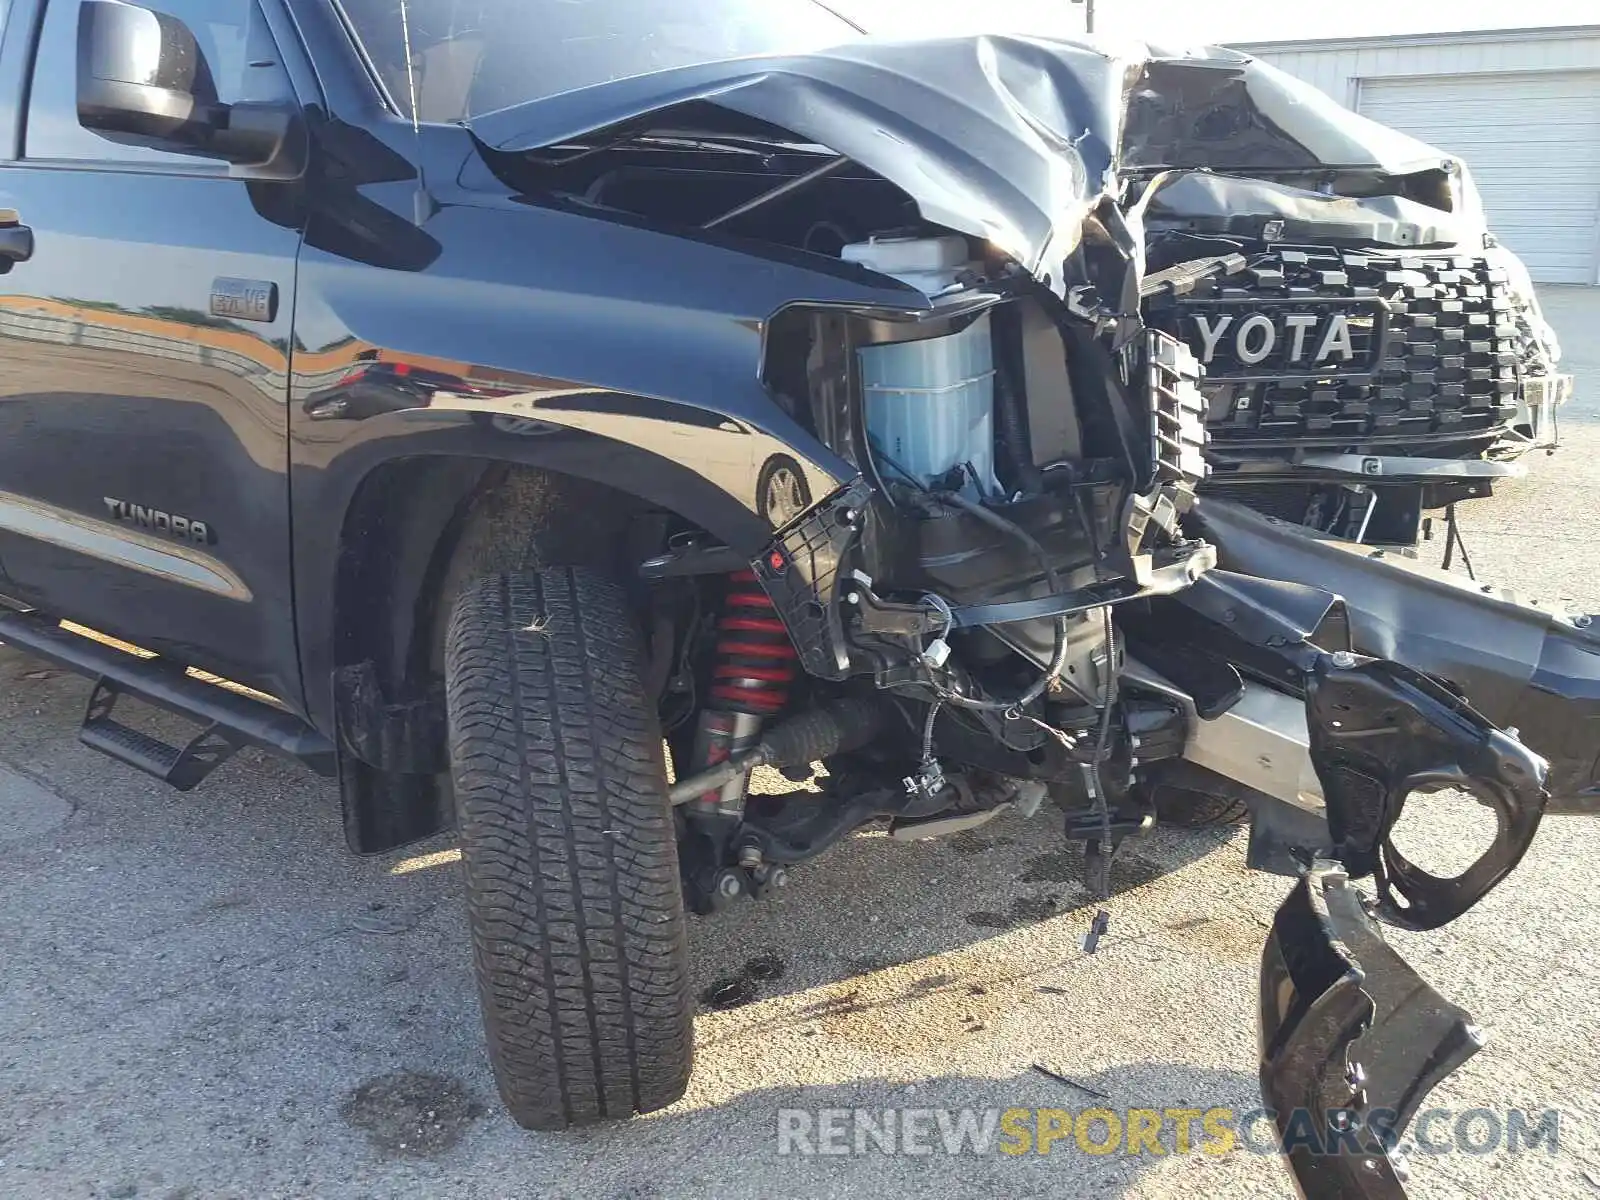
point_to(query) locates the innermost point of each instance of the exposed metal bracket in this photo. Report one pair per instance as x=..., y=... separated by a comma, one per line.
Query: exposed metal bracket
x=1263, y=743
x=1389, y=466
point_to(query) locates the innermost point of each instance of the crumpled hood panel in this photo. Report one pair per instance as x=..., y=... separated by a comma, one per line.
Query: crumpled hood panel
x=1011, y=139
x=1224, y=204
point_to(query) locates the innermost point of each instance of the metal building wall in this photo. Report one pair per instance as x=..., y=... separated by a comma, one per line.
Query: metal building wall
x=1337, y=66
x=1522, y=107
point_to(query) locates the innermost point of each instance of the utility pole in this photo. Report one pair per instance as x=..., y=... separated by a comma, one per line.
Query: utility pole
x=1088, y=14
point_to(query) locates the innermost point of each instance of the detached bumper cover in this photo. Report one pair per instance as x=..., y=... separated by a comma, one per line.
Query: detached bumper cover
x=1518, y=664
x=1380, y=732
x=1352, y=1041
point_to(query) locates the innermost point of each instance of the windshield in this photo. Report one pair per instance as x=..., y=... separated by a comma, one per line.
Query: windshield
x=475, y=56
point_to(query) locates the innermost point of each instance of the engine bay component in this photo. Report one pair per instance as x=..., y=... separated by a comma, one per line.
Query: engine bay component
x=930, y=409
x=929, y=403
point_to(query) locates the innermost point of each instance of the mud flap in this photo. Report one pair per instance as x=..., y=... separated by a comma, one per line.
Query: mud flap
x=1352, y=1041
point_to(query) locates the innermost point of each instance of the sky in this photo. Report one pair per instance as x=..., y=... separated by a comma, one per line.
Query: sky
x=1180, y=22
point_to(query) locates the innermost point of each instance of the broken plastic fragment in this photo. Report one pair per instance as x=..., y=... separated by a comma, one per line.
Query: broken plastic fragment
x=1097, y=930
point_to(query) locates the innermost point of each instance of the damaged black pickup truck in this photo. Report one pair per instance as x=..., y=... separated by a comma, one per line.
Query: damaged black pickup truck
x=552, y=412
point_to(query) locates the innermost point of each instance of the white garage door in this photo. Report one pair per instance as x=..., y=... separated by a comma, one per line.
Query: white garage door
x=1533, y=143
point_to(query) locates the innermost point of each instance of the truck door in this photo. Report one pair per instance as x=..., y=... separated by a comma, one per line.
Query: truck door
x=145, y=332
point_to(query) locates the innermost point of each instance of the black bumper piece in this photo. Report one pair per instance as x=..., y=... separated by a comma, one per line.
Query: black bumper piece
x=1380, y=732
x=1352, y=1041
x=1518, y=664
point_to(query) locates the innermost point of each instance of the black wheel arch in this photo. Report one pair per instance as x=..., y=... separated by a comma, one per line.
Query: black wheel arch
x=418, y=529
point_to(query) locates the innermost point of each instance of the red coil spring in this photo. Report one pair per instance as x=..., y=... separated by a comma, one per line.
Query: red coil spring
x=755, y=660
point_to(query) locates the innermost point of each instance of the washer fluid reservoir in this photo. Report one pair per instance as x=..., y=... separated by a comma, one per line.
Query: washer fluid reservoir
x=929, y=403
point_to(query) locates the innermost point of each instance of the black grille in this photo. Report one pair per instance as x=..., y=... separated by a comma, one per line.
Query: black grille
x=1287, y=501
x=1337, y=345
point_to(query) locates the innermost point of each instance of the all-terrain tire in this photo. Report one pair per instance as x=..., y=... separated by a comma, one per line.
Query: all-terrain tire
x=569, y=849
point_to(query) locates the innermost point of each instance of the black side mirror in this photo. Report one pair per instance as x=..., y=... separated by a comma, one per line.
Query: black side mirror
x=143, y=80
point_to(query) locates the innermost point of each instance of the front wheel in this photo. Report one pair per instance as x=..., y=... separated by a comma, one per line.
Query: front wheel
x=569, y=849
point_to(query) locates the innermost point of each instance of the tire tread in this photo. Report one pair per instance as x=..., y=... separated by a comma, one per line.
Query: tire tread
x=568, y=849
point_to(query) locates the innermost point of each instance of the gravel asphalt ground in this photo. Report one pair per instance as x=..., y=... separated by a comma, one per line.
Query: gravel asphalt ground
x=204, y=996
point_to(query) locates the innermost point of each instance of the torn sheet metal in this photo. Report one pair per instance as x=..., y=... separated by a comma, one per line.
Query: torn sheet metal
x=1012, y=139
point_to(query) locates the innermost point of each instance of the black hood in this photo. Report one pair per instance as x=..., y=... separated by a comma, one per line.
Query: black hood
x=1011, y=139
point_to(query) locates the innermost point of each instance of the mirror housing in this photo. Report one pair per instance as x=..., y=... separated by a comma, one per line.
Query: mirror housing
x=143, y=80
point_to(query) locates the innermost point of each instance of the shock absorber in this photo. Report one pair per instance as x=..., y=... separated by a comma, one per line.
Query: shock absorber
x=752, y=668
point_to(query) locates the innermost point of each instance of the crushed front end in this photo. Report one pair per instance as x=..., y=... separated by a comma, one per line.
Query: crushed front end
x=1013, y=595
x=1039, y=613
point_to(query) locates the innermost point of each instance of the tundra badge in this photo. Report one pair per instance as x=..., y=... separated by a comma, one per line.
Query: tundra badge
x=184, y=529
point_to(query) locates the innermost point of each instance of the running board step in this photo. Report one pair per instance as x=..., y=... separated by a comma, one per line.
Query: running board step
x=183, y=767
x=229, y=718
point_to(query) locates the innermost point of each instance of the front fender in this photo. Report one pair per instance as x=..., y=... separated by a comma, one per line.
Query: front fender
x=532, y=321
x=551, y=339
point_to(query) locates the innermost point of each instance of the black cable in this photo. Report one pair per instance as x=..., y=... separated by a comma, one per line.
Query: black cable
x=874, y=452
x=870, y=453
x=1453, y=540
x=1103, y=737
x=1058, y=659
